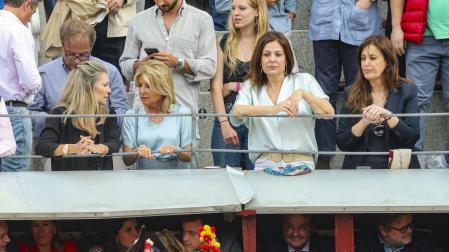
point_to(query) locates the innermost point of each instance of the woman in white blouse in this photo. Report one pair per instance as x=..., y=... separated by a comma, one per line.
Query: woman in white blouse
x=272, y=89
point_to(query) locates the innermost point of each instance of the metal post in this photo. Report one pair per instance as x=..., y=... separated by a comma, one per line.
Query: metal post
x=194, y=139
x=249, y=230
x=344, y=233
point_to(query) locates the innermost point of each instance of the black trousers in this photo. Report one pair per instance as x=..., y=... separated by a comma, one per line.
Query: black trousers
x=108, y=49
x=330, y=57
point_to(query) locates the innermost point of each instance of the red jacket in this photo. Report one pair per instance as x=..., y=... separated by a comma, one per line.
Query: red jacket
x=414, y=20
x=68, y=246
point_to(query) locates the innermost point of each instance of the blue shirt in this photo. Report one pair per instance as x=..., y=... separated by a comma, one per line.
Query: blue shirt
x=278, y=15
x=1, y=4
x=342, y=20
x=173, y=130
x=54, y=75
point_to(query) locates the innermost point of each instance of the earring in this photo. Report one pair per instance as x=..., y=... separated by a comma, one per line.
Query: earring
x=285, y=69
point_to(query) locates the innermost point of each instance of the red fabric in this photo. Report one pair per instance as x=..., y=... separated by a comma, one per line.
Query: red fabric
x=68, y=246
x=414, y=20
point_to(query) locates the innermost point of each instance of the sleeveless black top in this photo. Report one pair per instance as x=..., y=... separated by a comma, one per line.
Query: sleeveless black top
x=241, y=70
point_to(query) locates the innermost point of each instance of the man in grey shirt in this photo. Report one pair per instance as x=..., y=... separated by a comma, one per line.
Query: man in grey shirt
x=185, y=39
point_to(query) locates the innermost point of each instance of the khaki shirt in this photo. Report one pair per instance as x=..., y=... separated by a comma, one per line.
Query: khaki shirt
x=91, y=12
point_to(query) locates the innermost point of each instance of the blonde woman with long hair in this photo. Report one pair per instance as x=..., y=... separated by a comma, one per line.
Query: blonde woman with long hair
x=247, y=23
x=164, y=134
x=86, y=92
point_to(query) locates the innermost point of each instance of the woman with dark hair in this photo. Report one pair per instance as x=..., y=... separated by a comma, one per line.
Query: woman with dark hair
x=45, y=239
x=377, y=93
x=272, y=89
x=120, y=235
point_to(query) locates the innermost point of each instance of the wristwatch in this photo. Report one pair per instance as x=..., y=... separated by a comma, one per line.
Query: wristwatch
x=65, y=149
x=180, y=64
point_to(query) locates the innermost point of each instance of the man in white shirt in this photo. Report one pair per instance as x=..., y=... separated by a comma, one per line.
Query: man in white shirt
x=19, y=76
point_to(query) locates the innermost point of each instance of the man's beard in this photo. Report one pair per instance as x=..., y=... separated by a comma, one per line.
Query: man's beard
x=168, y=8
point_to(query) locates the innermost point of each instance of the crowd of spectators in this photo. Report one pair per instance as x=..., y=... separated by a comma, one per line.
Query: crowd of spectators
x=169, y=49
x=290, y=232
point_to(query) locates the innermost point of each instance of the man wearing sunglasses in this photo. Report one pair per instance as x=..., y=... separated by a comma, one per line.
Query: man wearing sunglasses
x=394, y=233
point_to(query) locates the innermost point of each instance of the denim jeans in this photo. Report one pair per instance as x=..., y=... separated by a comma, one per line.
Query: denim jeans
x=24, y=137
x=232, y=159
x=330, y=57
x=423, y=63
x=220, y=18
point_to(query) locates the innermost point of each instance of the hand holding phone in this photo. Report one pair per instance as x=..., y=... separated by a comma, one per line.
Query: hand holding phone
x=150, y=51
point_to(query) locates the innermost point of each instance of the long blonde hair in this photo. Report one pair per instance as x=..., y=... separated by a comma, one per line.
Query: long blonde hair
x=157, y=77
x=230, y=50
x=79, y=97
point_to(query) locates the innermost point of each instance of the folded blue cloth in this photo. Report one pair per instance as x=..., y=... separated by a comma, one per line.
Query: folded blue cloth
x=288, y=170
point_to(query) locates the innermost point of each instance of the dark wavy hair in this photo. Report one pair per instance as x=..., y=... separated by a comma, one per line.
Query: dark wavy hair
x=256, y=75
x=360, y=94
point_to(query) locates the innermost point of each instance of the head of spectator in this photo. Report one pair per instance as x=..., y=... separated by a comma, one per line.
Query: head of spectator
x=22, y=9
x=155, y=84
x=123, y=233
x=297, y=230
x=4, y=237
x=190, y=227
x=247, y=16
x=378, y=65
x=77, y=39
x=396, y=230
x=86, y=92
x=272, y=57
x=43, y=232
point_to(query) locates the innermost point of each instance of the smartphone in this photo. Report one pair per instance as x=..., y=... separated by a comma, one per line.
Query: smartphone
x=150, y=51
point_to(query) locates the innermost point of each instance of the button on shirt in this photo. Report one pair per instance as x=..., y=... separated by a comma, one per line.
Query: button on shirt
x=191, y=37
x=54, y=75
x=342, y=20
x=19, y=77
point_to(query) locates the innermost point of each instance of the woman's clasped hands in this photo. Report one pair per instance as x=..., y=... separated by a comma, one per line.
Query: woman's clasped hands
x=375, y=114
x=290, y=106
x=85, y=145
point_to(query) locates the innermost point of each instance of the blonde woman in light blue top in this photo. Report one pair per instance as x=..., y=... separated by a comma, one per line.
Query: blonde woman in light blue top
x=165, y=134
x=271, y=89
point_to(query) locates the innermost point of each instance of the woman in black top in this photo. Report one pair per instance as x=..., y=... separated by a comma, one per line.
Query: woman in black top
x=377, y=93
x=86, y=92
x=247, y=23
